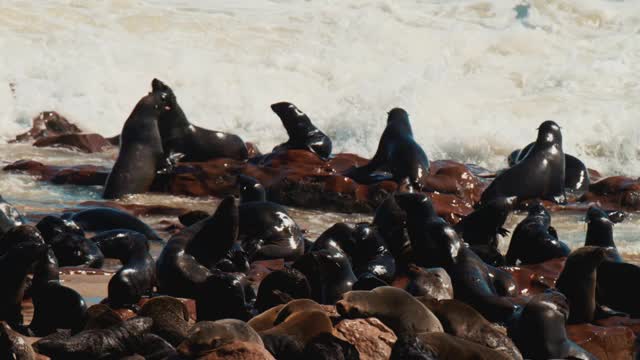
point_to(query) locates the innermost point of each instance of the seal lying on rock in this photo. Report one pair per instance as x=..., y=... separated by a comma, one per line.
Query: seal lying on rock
x=395, y=307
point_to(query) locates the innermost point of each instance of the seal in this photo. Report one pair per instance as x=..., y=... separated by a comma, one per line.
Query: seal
x=395, y=307
x=302, y=133
x=14, y=345
x=100, y=219
x=69, y=244
x=540, y=332
x=577, y=282
x=288, y=281
x=540, y=175
x=206, y=336
x=283, y=347
x=294, y=306
x=141, y=154
x=436, y=244
x=178, y=268
x=55, y=306
x=21, y=248
x=481, y=229
x=9, y=216
x=223, y=296
x=266, y=230
x=113, y=342
x=137, y=276
x=613, y=279
x=534, y=240
x=463, y=321
x=170, y=318
x=195, y=143
x=398, y=153
x=390, y=220
x=576, y=174
x=302, y=326
x=329, y=273
x=600, y=231
x=433, y=283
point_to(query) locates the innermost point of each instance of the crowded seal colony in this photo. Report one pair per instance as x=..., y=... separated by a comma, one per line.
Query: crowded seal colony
x=425, y=279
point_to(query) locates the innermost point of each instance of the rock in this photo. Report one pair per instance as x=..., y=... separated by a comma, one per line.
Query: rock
x=252, y=150
x=239, y=351
x=46, y=124
x=615, y=193
x=535, y=279
x=606, y=343
x=88, y=143
x=87, y=175
x=372, y=338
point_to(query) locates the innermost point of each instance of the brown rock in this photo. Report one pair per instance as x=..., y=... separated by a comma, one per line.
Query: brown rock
x=606, y=343
x=76, y=175
x=88, y=143
x=535, y=279
x=48, y=123
x=239, y=351
x=372, y=338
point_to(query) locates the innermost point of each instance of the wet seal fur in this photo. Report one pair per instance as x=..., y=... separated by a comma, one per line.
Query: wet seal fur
x=398, y=153
x=600, y=231
x=69, y=243
x=329, y=273
x=395, y=307
x=141, y=154
x=179, y=136
x=205, y=336
x=100, y=219
x=9, y=216
x=540, y=175
x=302, y=133
x=534, y=240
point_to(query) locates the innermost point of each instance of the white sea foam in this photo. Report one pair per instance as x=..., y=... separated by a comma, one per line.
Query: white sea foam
x=476, y=76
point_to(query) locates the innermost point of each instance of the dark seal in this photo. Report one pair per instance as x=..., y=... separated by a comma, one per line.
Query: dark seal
x=600, y=231
x=398, y=153
x=179, y=136
x=329, y=273
x=69, y=244
x=576, y=174
x=540, y=175
x=9, y=216
x=534, y=240
x=302, y=133
x=101, y=219
x=141, y=154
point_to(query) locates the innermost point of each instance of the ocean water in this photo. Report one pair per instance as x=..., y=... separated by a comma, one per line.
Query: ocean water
x=477, y=78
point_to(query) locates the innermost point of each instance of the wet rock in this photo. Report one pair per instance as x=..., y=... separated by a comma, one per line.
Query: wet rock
x=46, y=124
x=88, y=143
x=135, y=209
x=606, y=343
x=536, y=278
x=86, y=175
x=372, y=338
x=615, y=193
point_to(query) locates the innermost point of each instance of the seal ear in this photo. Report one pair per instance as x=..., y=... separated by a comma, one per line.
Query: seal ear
x=157, y=85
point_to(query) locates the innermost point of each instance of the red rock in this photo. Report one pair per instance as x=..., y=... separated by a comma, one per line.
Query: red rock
x=606, y=343
x=238, y=351
x=89, y=143
x=372, y=338
x=534, y=279
x=76, y=175
x=47, y=123
x=252, y=150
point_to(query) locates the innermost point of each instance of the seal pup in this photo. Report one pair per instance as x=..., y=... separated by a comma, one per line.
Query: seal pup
x=9, y=216
x=600, y=231
x=206, y=336
x=302, y=133
x=409, y=347
x=576, y=174
x=223, y=296
x=195, y=143
x=481, y=228
x=290, y=282
x=540, y=175
x=178, y=268
x=266, y=230
x=540, y=329
x=137, y=276
x=436, y=244
x=398, y=153
x=170, y=318
x=534, y=240
x=20, y=248
x=329, y=273
x=577, y=282
x=395, y=307
x=326, y=346
x=433, y=283
x=69, y=244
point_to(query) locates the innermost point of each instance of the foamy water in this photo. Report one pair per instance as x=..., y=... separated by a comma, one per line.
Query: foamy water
x=477, y=77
